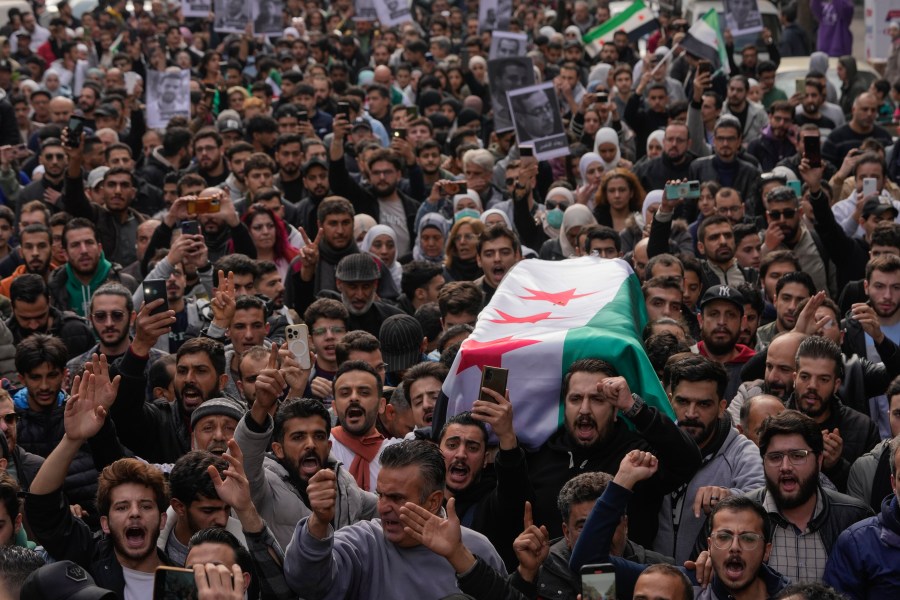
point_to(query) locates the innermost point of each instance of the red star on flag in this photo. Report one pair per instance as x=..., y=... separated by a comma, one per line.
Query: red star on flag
x=479, y=354
x=559, y=298
x=510, y=319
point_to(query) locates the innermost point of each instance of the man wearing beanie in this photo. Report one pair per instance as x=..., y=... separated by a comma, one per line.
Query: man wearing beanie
x=213, y=424
x=357, y=279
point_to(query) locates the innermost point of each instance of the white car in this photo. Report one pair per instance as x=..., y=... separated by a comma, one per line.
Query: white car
x=796, y=67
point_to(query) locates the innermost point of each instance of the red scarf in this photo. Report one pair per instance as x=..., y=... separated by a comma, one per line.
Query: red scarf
x=365, y=450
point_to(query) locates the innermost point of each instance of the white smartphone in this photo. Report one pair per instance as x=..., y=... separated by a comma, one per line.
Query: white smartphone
x=298, y=344
x=870, y=186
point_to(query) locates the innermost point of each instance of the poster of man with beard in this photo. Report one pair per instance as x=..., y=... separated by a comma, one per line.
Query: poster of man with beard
x=168, y=95
x=505, y=44
x=538, y=122
x=504, y=75
x=268, y=18
x=232, y=16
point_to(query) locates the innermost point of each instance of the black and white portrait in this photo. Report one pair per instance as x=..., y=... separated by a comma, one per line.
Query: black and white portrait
x=232, y=16
x=393, y=12
x=742, y=17
x=268, y=18
x=487, y=15
x=196, y=8
x=538, y=121
x=504, y=75
x=505, y=44
x=168, y=95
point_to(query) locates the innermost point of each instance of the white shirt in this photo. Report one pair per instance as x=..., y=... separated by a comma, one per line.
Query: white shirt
x=844, y=209
x=138, y=585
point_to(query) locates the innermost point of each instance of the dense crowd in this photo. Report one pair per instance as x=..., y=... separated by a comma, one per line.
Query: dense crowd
x=223, y=342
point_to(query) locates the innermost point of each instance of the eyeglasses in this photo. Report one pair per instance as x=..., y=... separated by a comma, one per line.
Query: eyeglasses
x=335, y=329
x=10, y=418
x=795, y=457
x=723, y=539
x=102, y=315
x=788, y=213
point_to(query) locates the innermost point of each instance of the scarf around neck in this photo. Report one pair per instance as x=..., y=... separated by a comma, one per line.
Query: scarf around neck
x=365, y=449
x=80, y=294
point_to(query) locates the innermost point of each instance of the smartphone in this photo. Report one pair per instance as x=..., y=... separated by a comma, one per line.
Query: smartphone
x=203, y=206
x=455, y=187
x=173, y=583
x=302, y=115
x=190, y=228
x=526, y=151
x=153, y=290
x=812, y=150
x=704, y=66
x=800, y=86
x=689, y=190
x=602, y=98
x=493, y=378
x=870, y=186
x=412, y=112
x=598, y=582
x=76, y=129
x=344, y=109
x=400, y=132
x=298, y=343
x=797, y=186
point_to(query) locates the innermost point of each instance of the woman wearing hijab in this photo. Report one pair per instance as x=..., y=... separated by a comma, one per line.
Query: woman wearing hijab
x=431, y=239
x=467, y=204
x=591, y=168
x=381, y=242
x=606, y=145
x=558, y=200
x=575, y=218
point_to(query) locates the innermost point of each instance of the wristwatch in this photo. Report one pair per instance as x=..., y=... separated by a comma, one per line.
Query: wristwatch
x=635, y=408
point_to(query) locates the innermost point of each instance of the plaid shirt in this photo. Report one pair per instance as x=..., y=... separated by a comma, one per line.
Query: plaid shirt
x=798, y=555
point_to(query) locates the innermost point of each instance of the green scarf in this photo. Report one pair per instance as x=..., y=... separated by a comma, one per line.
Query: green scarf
x=79, y=294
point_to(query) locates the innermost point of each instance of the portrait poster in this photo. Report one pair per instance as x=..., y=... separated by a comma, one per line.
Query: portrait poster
x=168, y=96
x=393, y=12
x=505, y=74
x=505, y=44
x=232, y=16
x=365, y=10
x=538, y=121
x=494, y=15
x=742, y=17
x=268, y=17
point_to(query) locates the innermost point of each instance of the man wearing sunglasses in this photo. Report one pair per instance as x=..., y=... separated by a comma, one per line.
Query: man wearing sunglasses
x=786, y=232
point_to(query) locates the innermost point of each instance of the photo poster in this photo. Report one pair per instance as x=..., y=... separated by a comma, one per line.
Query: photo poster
x=505, y=74
x=538, y=121
x=505, y=44
x=231, y=16
x=168, y=96
x=365, y=10
x=393, y=12
x=742, y=17
x=196, y=8
x=494, y=15
x=268, y=17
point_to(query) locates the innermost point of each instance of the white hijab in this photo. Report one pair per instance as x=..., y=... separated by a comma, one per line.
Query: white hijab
x=395, y=269
x=608, y=135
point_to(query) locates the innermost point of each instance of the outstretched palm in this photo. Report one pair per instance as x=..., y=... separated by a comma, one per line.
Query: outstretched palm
x=83, y=417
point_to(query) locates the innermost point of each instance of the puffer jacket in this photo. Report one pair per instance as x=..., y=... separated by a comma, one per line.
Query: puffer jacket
x=864, y=561
x=40, y=431
x=275, y=496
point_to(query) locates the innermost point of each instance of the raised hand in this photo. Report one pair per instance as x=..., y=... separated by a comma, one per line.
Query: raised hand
x=615, y=390
x=707, y=497
x=834, y=447
x=441, y=536
x=322, y=493
x=867, y=318
x=636, y=466
x=531, y=546
x=702, y=567
x=309, y=255
x=222, y=304
x=149, y=327
x=269, y=383
x=83, y=416
x=218, y=582
x=295, y=376
x=105, y=390
x=499, y=415
x=806, y=320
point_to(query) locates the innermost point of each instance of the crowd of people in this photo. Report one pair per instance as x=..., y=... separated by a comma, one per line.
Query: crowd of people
x=223, y=343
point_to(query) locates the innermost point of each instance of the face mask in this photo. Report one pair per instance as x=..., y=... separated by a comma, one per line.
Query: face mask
x=555, y=218
x=466, y=212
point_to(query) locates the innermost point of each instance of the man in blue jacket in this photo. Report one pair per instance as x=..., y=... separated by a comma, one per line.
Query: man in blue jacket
x=865, y=560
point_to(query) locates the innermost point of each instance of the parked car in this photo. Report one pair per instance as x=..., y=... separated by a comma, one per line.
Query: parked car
x=796, y=67
x=693, y=10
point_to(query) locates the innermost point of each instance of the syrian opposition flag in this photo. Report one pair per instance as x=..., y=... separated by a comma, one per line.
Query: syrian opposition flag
x=637, y=20
x=544, y=316
x=704, y=40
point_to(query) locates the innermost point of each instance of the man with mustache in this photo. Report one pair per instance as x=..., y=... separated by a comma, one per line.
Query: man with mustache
x=790, y=291
x=731, y=463
x=593, y=438
x=489, y=497
x=422, y=385
x=160, y=431
x=780, y=361
x=299, y=436
x=35, y=249
x=847, y=433
x=808, y=518
x=213, y=424
x=721, y=313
